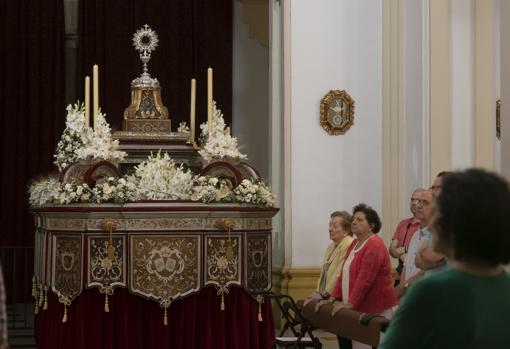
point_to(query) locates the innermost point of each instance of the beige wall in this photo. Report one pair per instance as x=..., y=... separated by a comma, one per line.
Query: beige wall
x=505, y=89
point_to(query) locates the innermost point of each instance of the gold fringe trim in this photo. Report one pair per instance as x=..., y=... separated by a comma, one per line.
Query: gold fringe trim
x=45, y=306
x=165, y=317
x=260, y=300
x=64, y=319
x=106, y=305
x=41, y=296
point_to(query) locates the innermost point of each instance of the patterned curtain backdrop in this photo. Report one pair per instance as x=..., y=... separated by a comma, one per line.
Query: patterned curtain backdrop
x=193, y=34
x=32, y=116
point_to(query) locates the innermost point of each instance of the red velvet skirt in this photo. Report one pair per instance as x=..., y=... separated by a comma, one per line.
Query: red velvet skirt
x=196, y=322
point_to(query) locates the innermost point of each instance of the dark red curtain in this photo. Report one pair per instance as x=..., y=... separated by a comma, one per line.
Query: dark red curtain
x=32, y=113
x=133, y=322
x=193, y=34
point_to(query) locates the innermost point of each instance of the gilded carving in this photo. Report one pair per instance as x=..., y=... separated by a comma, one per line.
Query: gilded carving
x=164, y=268
x=67, y=267
x=155, y=223
x=259, y=223
x=66, y=223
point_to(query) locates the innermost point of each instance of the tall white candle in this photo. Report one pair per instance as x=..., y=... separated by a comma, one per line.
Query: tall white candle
x=87, y=101
x=192, y=111
x=95, y=77
x=209, y=99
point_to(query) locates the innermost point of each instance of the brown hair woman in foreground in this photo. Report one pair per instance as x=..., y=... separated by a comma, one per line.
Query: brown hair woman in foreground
x=469, y=305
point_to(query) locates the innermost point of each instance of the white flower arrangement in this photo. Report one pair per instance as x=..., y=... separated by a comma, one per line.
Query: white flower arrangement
x=98, y=143
x=220, y=144
x=119, y=190
x=159, y=178
x=78, y=141
x=183, y=127
x=256, y=193
x=71, y=192
x=43, y=191
x=211, y=190
x=71, y=139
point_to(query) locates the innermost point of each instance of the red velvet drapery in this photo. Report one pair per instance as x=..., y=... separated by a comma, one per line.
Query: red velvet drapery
x=133, y=322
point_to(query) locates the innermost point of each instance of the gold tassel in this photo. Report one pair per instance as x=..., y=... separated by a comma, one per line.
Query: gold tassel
x=111, y=251
x=64, y=319
x=260, y=300
x=106, y=305
x=36, y=310
x=222, y=307
x=45, y=307
x=165, y=318
x=230, y=252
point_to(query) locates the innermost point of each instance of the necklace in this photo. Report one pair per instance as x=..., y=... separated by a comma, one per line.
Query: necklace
x=360, y=243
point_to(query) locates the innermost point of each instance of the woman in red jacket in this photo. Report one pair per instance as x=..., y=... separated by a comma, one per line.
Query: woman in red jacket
x=365, y=283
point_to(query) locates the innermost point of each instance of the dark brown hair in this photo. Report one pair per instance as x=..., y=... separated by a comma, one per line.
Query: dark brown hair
x=472, y=217
x=371, y=216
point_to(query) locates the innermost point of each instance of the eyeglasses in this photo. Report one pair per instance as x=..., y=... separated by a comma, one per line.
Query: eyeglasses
x=414, y=200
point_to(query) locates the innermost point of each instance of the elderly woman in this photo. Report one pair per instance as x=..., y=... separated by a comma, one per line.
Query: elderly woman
x=467, y=306
x=340, y=235
x=365, y=283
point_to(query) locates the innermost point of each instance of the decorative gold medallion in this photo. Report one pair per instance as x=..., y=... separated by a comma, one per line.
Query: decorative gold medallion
x=164, y=268
x=337, y=112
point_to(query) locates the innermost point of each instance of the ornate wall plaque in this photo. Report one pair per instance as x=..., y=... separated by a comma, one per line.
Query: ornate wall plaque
x=337, y=112
x=164, y=268
x=498, y=119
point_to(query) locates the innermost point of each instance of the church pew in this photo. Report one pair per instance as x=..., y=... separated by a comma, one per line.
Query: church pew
x=345, y=323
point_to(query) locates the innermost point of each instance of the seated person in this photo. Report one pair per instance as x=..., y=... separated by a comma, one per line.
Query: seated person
x=340, y=235
x=468, y=305
x=404, y=233
x=365, y=282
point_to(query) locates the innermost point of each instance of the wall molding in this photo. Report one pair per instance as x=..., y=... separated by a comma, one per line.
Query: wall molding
x=299, y=282
x=440, y=86
x=393, y=122
x=485, y=97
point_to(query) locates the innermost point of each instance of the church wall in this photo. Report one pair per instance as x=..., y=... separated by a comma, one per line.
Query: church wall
x=462, y=24
x=415, y=99
x=250, y=94
x=505, y=88
x=336, y=45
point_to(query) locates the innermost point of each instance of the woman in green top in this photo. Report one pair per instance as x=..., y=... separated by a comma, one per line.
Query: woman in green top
x=467, y=306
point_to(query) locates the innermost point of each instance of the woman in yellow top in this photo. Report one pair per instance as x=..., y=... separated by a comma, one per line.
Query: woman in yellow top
x=340, y=235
